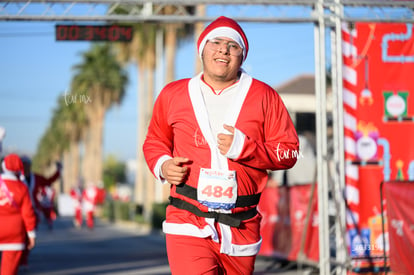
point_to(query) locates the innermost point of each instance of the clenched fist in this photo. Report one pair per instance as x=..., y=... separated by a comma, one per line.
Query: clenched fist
x=174, y=171
x=224, y=141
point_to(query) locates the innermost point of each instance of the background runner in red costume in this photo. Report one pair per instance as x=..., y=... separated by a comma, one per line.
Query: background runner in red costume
x=17, y=217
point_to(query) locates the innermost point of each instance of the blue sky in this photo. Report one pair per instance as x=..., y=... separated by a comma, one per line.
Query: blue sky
x=35, y=70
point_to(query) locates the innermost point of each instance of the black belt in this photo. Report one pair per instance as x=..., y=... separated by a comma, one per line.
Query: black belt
x=242, y=201
x=231, y=219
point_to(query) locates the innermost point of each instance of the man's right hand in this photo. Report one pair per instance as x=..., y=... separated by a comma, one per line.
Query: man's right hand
x=32, y=243
x=173, y=170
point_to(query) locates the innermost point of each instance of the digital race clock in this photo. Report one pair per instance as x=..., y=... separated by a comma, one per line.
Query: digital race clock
x=93, y=33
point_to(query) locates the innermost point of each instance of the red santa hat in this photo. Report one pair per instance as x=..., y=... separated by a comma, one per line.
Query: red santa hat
x=224, y=27
x=12, y=164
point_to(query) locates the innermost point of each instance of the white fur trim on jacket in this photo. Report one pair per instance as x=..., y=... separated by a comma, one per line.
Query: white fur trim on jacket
x=157, y=169
x=31, y=234
x=12, y=246
x=7, y=175
x=227, y=247
x=218, y=161
x=237, y=144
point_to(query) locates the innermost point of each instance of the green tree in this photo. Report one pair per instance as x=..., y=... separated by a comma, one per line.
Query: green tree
x=141, y=51
x=53, y=141
x=76, y=124
x=61, y=140
x=114, y=172
x=99, y=83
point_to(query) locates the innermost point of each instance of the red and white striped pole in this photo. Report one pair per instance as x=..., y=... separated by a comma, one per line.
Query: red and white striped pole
x=350, y=101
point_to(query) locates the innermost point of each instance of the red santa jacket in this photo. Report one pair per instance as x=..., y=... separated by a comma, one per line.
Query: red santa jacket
x=16, y=213
x=180, y=127
x=90, y=197
x=36, y=182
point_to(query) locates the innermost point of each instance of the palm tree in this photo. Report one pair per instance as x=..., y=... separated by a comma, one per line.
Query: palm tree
x=198, y=28
x=100, y=81
x=62, y=140
x=141, y=50
x=53, y=142
x=74, y=119
x=175, y=33
x=48, y=149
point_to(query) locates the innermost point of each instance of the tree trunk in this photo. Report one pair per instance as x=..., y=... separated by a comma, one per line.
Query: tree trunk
x=75, y=165
x=92, y=168
x=71, y=166
x=149, y=178
x=67, y=169
x=97, y=127
x=199, y=26
x=170, y=51
x=140, y=180
x=87, y=156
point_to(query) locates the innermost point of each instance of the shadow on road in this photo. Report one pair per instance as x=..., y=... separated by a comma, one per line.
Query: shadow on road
x=111, y=249
x=104, y=250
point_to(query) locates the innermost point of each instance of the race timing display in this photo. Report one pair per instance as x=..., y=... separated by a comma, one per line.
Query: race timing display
x=93, y=33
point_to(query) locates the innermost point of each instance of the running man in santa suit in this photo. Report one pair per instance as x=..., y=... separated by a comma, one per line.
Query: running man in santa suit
x=212, y=138
x=17, y=216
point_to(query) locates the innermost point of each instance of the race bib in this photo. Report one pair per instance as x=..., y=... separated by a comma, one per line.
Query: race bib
x=217, y=189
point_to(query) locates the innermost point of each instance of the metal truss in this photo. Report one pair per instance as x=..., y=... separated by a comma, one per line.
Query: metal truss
x=152, y=11
x=282, y=11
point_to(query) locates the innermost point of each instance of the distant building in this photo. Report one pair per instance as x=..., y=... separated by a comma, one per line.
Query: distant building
x=298, y=94
x=131, y=169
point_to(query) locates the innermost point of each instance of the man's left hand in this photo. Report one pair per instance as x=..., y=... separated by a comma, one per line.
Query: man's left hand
x=59, y=165
x=224, y=141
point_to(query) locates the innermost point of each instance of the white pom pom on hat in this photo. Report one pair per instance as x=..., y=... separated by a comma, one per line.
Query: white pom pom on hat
x=224, y=27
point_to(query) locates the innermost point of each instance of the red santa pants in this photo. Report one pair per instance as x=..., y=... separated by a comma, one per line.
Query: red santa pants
x=24, y=259
x=192, y=255
x=90, y=219
x=10, y=262
x=48, y=213
x=78, y=217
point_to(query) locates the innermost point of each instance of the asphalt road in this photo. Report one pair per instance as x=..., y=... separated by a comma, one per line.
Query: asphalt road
x=110, y=249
